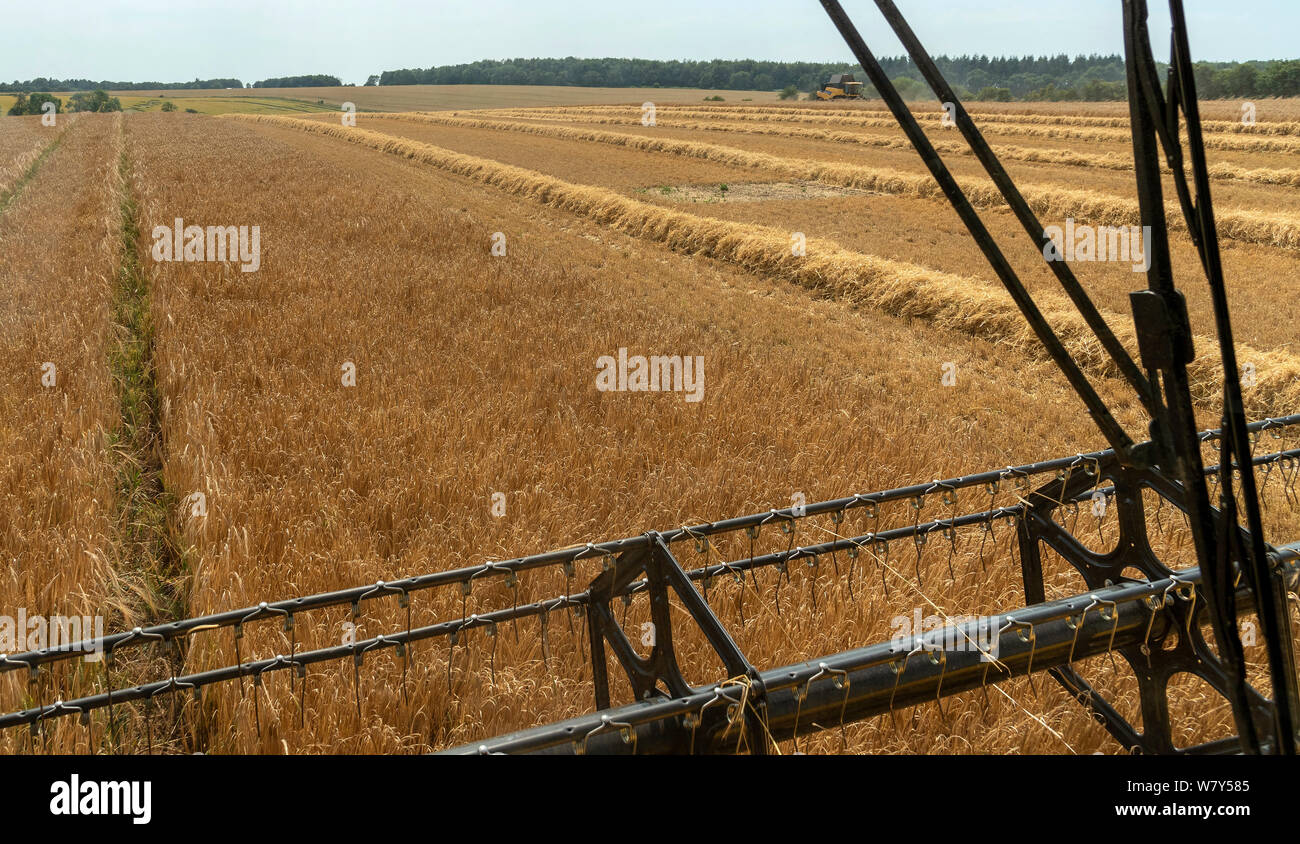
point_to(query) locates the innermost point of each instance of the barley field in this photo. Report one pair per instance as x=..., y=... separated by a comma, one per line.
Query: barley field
x=404, y=381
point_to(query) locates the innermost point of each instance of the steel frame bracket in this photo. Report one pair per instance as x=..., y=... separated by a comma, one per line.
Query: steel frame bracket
x=658, y=675
x=1178, y=647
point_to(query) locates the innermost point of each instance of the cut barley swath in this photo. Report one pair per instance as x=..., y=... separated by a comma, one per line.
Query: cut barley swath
x=1244, y=142
x=1069, y=158
x=1233, y=127
x=1034, y=155
x=1283, y=125
x=908, y=290
x=1049, y=201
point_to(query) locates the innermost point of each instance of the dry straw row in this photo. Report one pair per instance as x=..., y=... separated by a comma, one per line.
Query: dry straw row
x=1240, y=143
x=1051, y=202
x=908, y=290
x=1033, y=155
x=1044, y=128
x=1233, y=127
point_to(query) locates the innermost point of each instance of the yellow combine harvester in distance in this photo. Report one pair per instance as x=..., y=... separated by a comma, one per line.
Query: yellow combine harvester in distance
x=841, y=87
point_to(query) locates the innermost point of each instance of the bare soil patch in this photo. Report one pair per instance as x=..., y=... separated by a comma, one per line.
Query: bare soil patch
x=754, y=191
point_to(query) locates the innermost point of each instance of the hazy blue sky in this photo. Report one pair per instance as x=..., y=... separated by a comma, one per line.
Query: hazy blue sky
x=177, y=40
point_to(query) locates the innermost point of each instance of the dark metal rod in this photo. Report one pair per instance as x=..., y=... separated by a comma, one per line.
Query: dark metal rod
x=1287, y=557
x=1033, y=227
x=1169, y=351
x=1097, y=409
x=471, y=622
x=875, y=684
x=1273, y=611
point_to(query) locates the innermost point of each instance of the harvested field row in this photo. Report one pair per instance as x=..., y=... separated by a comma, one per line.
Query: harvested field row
x=435, y=97
x=59, y=505
x=621, y=168
x=1049, y=201
x=1220, y=171
x=1268, y=109
x=1234, y=127
x=1212, y=141
x=1119, y=145
x=946, y=300
x=906, y=230
x=1286, y=110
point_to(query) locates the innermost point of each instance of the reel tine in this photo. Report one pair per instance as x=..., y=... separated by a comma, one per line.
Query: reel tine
x=919, y=539
x=950, y=533
x=542, y=619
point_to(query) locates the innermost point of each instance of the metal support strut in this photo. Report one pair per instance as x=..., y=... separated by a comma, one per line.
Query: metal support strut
x=658, y=674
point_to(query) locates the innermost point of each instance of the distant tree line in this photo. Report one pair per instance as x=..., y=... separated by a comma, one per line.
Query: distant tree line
x=80, y=101
x=43, y=84
x=1059, y=77
x=1249, y=79
x=34, y=104
x=94, y=101
x=318, y=80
